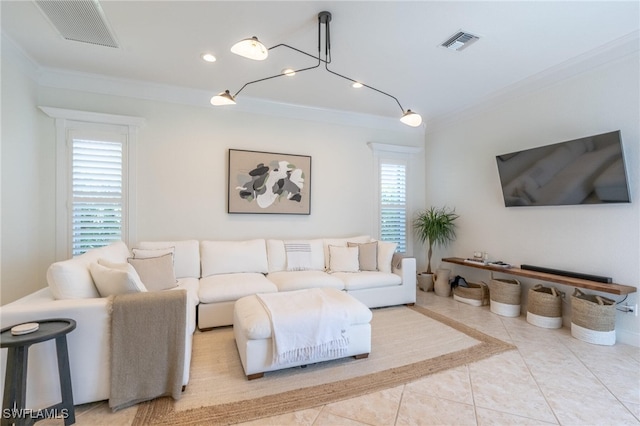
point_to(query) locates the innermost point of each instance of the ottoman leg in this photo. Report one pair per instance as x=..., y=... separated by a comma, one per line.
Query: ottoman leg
x=361, y=356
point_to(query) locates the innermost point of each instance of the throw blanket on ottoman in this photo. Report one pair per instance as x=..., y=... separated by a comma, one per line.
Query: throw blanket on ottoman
x=306, y=334
x=147, y=346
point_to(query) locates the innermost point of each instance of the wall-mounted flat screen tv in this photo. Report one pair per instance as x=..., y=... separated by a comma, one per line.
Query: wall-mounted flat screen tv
x=589, y=170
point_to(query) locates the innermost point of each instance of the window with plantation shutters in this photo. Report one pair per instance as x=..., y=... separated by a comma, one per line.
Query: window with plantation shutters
x=393, y=200
x=393, y=203
x=95, y=179
x=97, y=194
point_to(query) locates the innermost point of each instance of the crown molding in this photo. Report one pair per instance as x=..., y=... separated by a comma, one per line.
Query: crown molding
x=26, y=63
x=100, y=84
x=608, y=53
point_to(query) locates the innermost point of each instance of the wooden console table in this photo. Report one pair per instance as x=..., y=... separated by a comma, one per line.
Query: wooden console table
x=611, y=288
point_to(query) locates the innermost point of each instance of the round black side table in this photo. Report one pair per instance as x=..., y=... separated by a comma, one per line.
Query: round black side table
x=15, y=383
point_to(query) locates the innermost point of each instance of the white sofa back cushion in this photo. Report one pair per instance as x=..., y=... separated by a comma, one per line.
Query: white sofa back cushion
x=277, y=255
x=71, y=279
x=186, y=255
x=231, y=257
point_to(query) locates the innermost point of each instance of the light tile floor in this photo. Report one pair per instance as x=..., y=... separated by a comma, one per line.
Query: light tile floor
x=552, y=378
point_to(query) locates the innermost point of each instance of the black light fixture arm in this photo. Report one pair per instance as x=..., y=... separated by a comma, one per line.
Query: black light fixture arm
x=365, y=85
x=275, y=76
x=323, y=18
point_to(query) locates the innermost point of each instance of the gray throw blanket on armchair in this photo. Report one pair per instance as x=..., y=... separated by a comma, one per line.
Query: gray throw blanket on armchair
x=147, y=346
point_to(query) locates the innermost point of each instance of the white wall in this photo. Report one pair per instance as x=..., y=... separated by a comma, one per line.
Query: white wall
x=27, y=182
x=596, y=239
x=182, y=168
x=182, y=173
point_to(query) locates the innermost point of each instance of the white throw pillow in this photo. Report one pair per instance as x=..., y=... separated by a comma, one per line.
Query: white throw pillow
x=298, y=255
x=343, y=259
x=342, y=242
x=385, y=255
x=113, y=279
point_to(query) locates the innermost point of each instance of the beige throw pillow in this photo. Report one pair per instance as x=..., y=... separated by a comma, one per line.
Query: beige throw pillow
x=156, y=273
x=367, y=255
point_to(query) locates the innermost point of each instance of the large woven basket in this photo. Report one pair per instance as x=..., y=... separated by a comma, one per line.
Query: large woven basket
x=593, y=318
x=474, y=295
x=544, y=307
x=505, y=297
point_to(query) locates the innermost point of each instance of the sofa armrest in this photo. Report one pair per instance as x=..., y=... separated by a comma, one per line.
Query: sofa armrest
x=406, y=269
x=88, y=345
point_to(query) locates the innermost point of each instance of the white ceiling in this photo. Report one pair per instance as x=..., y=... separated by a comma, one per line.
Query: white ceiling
x=392, y=46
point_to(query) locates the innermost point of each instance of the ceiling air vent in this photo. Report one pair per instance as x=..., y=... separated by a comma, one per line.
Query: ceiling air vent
x=79, y=20
x=459, y=41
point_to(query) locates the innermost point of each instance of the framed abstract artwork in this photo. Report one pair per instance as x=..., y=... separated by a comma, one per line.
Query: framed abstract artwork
x=268, y=182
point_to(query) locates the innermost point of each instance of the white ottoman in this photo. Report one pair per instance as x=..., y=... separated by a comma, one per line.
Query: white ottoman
x=252, y=331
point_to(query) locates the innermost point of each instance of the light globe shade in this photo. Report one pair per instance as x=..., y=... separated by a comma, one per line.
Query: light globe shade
x=223, y=98
x=250, y=48
x=411, y=118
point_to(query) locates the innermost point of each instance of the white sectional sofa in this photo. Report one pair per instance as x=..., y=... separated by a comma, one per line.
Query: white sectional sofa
x=72, y=293
x=214, y=274
x=234, y=269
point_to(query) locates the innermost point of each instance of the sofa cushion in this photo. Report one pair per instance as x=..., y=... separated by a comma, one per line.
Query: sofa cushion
x=71, y=279
x=231, y=287
x=112, y=279
x=343, y=259
x=368, y=279
x=341, y=242
x=186, y=255
x=277, y=254
x=298, y=280
x=385, y=255
x=156, y=273
x=229, y=257
x=367, y=255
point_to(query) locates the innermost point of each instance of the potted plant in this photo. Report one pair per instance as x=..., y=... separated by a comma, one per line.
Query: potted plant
x=433, y=226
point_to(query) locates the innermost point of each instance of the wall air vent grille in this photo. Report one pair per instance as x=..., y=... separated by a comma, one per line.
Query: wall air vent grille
x=460, y=41
x=79, y=20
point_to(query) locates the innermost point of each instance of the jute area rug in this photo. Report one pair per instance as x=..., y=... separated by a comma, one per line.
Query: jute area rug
x=408, y=343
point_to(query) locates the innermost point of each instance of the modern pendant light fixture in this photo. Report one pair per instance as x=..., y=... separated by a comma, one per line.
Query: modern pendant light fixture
x=252, y=48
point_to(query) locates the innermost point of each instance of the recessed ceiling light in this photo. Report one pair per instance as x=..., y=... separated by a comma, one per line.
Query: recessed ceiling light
x=208, y=57
x=356, y=85
x=288, y=72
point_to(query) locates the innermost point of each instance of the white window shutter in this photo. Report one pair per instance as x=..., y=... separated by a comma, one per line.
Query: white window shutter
x=393, y=203
x=97, y=194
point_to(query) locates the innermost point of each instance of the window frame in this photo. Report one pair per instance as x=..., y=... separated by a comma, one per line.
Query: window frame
x=70, y=122
x=394, y=154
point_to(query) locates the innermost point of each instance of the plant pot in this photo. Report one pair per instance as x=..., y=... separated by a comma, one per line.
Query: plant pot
x=425, y=281
x=441, y=285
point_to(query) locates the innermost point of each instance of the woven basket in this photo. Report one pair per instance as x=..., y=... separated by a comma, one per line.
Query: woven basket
x=505, y=297
x=593, y=318
x=474, y=295
x=544, y=307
